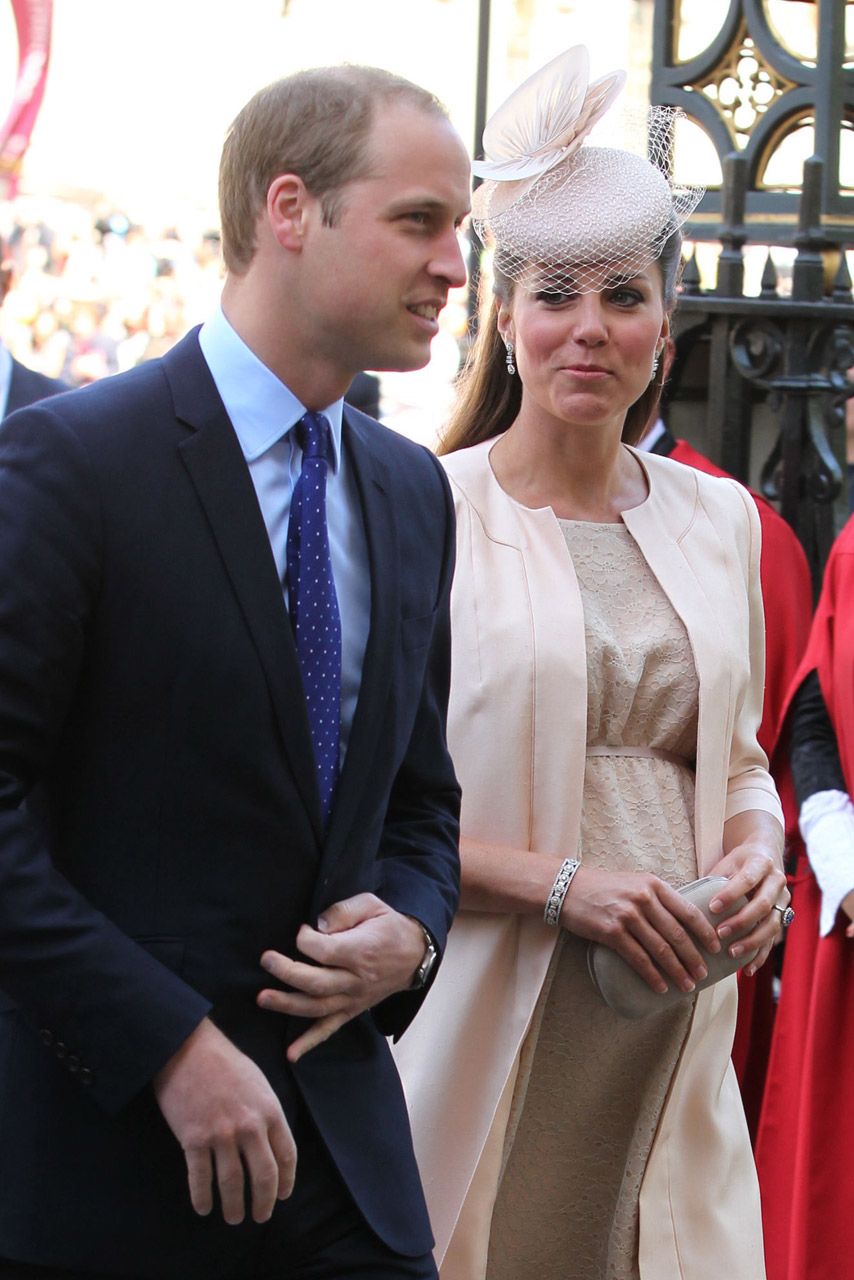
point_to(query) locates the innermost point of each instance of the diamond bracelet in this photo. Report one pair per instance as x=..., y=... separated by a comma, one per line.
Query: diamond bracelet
x=563, y=880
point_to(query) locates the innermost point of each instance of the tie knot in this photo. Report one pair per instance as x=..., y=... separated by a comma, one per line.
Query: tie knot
x=315, y=436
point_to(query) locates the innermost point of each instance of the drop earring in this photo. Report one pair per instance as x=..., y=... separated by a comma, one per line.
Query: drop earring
x=655, y=365
x=511, y=368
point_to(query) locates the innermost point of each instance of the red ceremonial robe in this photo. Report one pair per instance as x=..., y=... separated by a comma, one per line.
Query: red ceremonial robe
x=806, y=1130
x=787, y=600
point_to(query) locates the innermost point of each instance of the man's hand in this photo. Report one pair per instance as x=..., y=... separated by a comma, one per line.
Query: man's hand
x=847, y=906
x=229, y=1123
x=363, y=951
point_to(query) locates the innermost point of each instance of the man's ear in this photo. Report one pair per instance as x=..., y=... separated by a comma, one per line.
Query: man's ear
x=287, y=206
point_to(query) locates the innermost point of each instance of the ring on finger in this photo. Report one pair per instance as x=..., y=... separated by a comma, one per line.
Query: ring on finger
x=787, y=915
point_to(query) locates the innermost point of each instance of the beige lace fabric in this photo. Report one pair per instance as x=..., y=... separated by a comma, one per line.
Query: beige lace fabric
x=592, y=1085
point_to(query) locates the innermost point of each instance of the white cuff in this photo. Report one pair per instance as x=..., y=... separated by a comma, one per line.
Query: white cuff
x=826, y=821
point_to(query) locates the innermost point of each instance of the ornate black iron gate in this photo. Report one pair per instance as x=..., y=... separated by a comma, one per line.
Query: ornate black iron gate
x=785, y=352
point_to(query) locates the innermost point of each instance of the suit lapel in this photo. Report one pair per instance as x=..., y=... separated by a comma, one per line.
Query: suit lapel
x=381, y=532
x=224, y=487
x=13, y=401
x=20, y=392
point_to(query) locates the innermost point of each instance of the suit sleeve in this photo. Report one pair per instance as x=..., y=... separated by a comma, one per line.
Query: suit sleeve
x=419, y=871
x=749, y=784
x=81, y=983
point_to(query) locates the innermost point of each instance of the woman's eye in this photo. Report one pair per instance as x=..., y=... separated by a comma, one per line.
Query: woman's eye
x=554, y=297
x=625, y=297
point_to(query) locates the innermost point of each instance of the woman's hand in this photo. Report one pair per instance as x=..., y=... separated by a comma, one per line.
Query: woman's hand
x=643, y=919
x=753, y=865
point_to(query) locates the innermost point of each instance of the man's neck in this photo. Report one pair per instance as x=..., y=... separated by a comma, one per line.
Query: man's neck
x=281, y=347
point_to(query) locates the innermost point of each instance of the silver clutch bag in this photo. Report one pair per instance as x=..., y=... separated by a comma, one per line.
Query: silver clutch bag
x=625, y=990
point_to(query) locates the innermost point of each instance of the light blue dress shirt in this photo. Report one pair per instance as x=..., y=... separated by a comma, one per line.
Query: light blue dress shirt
x=5, y=378
x=263, y=412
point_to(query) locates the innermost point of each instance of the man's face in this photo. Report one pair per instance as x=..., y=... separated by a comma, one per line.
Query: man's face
x=378, y=278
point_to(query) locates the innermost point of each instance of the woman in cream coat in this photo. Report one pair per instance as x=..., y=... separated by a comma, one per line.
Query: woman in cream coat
x=607, y=650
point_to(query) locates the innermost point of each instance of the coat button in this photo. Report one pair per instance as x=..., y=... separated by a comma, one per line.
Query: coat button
x=86, y=1076
x=46, y=1037
x=60, y=1050
x=73, y=1064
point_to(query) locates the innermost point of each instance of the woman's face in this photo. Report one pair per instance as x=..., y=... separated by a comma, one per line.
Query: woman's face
x=586, y=357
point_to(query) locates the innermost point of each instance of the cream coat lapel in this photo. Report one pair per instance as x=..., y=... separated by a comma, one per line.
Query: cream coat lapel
x=520, y=555
x=662, y=541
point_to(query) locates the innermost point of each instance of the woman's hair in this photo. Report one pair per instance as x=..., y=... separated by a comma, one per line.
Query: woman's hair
x=488, y=399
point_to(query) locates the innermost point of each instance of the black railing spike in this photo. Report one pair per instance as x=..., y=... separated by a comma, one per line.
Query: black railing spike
x=691, y=275
x=770, y=278
x=842, y=279
x=733, y=233
x=809, y=205
x=734, y=193
x=808, y=269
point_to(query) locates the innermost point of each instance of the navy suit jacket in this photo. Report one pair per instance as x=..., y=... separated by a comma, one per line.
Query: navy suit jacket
x=159, y=815
x=26, y=387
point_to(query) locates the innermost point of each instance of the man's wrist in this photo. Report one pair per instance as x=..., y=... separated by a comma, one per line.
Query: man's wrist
x=429, y=960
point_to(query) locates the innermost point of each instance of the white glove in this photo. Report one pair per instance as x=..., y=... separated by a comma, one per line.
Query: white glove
x=826, y=821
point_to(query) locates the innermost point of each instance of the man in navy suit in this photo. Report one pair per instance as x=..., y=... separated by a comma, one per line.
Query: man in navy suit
x=19, y=386
x=197, y=969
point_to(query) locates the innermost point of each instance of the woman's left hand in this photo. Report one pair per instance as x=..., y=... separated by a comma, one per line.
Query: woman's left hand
x=753, y=865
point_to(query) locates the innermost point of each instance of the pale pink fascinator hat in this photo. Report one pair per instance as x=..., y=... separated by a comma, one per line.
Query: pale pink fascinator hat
x=563, y=214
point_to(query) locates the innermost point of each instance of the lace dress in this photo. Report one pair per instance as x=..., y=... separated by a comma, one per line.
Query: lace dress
x=591, y=1085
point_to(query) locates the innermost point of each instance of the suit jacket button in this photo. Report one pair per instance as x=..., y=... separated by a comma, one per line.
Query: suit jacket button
x=60, y=1050
x=86, y=1076
x=73, y=1064
x=46, y=1037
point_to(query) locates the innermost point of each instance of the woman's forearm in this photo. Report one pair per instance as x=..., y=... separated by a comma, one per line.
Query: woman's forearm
x=499, y=878
x=757, y=829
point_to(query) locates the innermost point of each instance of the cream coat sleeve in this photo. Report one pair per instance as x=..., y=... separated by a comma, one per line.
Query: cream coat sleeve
x=748, y=778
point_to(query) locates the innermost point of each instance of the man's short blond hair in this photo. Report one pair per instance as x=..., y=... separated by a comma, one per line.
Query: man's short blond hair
x=314, y=124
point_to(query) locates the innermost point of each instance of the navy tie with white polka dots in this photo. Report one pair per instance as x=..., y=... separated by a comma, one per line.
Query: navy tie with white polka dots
x=313, y=602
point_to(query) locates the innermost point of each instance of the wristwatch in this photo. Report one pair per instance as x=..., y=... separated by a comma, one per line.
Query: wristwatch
x=428, y=963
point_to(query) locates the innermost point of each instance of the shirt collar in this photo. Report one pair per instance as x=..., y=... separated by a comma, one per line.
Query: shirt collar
x=5, y=377
x=652, y=437
x=261, y=408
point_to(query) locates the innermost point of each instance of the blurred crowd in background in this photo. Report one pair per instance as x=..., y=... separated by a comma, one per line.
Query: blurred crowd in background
x=96, y=294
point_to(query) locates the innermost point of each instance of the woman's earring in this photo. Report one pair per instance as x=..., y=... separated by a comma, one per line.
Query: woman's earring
x=655, y=365
x=511, y=368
